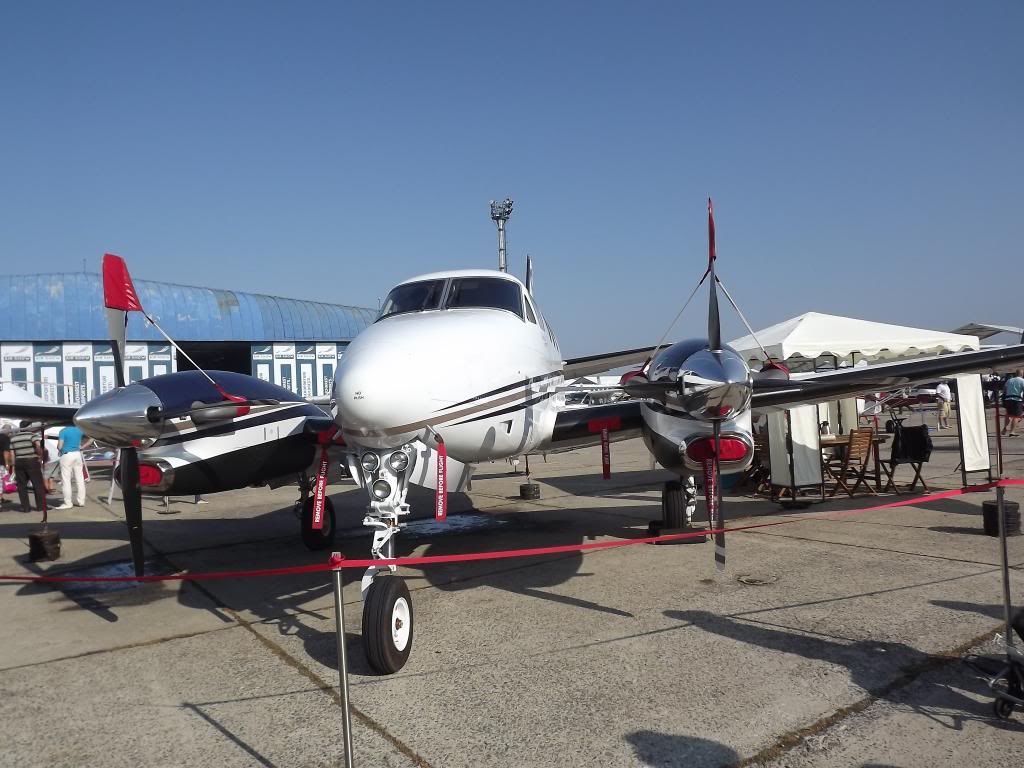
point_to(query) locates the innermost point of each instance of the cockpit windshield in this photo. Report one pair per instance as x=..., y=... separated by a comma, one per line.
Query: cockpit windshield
x=413, y=297
x=485, y=292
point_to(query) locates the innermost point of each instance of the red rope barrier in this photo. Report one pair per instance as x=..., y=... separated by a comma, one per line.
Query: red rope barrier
x=507, y=553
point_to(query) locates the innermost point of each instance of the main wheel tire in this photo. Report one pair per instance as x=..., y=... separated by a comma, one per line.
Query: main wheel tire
x=673, y=505
x=313, y=539
x=387, y=624
x=1003, y=709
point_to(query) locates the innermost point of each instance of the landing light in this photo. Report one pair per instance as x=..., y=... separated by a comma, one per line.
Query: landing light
x=398, y=461
x=381, y=489
x=370, y=462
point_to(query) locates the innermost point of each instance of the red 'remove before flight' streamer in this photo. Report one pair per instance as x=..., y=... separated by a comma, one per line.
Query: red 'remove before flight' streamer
x=339, y=563
x=441, y=495
x=320, y=494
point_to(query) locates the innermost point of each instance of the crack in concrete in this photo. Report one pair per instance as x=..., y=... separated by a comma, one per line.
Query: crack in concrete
x=876, y=549
x=313, y=677
x=116, y=648
x=323, y=685
x=910, y=674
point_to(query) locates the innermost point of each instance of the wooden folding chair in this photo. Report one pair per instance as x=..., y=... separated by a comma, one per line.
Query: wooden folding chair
x=853, y=464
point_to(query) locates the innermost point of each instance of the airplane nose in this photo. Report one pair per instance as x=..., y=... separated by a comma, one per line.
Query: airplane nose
x=715, y=385
x=360, y=399
x=122, y=418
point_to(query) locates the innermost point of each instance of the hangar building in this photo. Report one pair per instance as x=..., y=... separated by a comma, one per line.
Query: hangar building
x=54, y=340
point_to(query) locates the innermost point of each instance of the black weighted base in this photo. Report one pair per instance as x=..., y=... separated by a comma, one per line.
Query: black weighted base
x=529, y=491
x=44, y=545
x=657, y=528
x=990, y=515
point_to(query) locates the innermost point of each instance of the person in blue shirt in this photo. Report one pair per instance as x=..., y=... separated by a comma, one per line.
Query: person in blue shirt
x=70, y=443
x=1013, y=399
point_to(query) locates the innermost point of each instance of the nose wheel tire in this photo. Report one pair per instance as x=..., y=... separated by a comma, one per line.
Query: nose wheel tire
x=314, y=539
x=387, y=624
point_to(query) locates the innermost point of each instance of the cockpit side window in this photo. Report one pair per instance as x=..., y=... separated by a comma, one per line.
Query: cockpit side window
x=485, y=292
x=530, y=314
x=413, y=297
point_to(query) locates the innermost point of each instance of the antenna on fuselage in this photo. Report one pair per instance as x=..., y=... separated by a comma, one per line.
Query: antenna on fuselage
x=500, y=213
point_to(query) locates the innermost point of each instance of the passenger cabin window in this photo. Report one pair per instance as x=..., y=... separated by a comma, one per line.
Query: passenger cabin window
x=487, y=293
x=413, y=297
x=529, y=311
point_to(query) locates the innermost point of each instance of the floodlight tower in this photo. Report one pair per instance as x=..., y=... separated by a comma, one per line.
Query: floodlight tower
x=499, y=214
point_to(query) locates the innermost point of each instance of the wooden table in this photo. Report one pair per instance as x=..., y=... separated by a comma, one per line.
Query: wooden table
x=841, y=441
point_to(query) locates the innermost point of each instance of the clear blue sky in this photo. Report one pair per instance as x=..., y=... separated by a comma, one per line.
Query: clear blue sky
x=865, y=158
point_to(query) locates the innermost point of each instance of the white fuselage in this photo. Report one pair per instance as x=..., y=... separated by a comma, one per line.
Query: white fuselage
x=486, y=380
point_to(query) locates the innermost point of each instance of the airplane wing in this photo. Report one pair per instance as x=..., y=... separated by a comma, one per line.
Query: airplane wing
x=806, y=389
x=584, y=366
x=581, y=427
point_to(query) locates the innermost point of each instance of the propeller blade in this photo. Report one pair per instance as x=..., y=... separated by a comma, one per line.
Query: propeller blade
x=716, y=493
x=641, y=388
x=714, y=325
x=131, y=492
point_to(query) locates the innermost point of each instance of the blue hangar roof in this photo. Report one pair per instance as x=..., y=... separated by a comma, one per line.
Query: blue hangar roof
x=69, y=307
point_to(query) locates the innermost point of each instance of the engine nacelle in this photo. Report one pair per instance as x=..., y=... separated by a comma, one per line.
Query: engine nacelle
x=701, y=388
x=680, y=442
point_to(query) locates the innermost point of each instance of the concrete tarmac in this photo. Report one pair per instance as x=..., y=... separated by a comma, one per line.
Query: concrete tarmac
x=833, y=642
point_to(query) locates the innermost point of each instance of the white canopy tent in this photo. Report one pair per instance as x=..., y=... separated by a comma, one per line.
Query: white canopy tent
x=805, y=338
x=801, y=342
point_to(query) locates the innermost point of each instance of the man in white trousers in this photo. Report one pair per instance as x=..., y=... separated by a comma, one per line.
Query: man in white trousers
x=70, y=443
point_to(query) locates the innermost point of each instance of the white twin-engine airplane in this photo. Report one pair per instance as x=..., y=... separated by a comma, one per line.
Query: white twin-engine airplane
x=461, y=362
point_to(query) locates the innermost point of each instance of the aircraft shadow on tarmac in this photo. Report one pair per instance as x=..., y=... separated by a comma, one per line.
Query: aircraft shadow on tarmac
x=884, y=670
x=532, y=576
x=589, y=484
x=279, y=603
x=664, y=750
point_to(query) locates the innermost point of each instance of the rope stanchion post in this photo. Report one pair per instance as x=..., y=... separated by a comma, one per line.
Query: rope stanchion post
x=339, y=612
x=1004, y=561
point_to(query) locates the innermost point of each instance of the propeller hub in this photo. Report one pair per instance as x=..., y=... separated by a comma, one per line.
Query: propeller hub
x=715, y=385
x=122, y=418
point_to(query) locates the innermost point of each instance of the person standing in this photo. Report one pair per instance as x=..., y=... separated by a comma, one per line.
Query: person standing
x=6, y=461
x=1013, y=399
x=27, y=450
x=70, y=442
x=943, y=398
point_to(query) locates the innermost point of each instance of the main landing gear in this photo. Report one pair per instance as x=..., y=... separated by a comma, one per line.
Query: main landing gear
x=387, y=606
x=313, y=538
x=678, y=503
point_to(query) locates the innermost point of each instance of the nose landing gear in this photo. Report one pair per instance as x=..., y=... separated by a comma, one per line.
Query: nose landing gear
x=387, y=605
